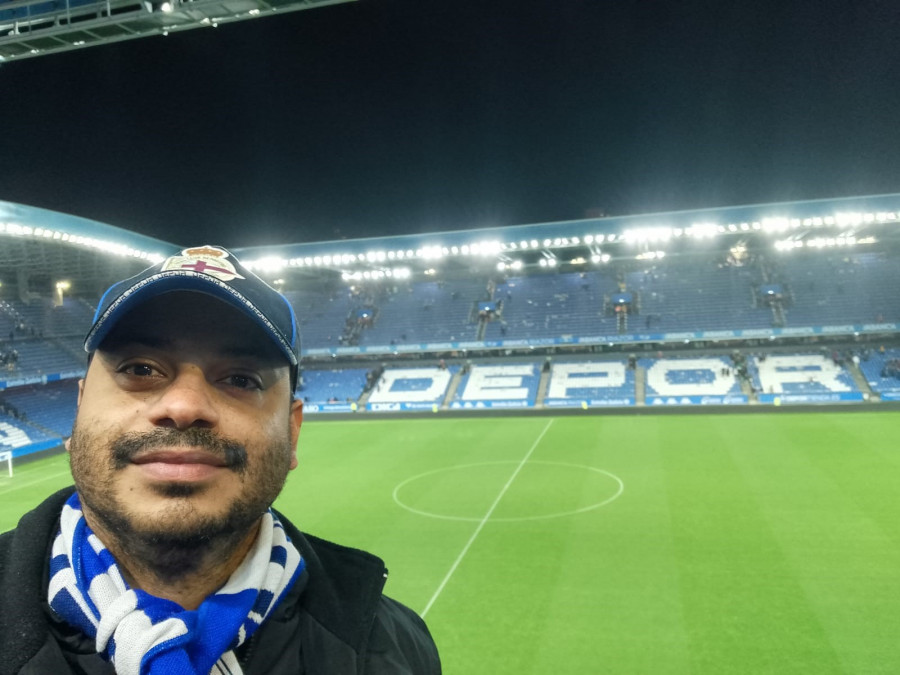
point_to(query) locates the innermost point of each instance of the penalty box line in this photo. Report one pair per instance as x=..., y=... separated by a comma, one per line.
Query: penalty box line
x=484, y=520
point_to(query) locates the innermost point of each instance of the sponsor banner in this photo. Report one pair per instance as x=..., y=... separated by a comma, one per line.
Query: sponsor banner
x=893, y=395
x=397, y=406
x=41, y=379
x=824, y=397
x=481, y=405
x=725, y=399
x=620, y=402
x=329, y=407
x=754, y=333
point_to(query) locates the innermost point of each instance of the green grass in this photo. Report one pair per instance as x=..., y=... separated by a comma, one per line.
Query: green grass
x=740, y=544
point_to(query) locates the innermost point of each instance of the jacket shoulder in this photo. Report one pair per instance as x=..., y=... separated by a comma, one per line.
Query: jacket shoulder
x=344, y=594
x=400, y=643
x=23, y=561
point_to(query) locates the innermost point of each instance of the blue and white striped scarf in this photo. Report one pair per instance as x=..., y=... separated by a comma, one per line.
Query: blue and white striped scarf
x=145, y=635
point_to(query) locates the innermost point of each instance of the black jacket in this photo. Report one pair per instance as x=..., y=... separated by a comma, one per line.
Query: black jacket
x=337, y=623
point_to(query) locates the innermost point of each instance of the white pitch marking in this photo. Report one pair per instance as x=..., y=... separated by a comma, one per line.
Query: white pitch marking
x=19, y=486
x=484, y=521
x=513, y=519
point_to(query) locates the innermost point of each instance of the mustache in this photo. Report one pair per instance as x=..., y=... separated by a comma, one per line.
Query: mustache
x=128, y=445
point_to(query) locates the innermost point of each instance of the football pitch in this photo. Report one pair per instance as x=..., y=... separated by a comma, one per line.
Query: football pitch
x=757, y=543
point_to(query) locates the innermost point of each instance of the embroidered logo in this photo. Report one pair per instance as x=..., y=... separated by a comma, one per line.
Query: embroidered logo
x=207, y=260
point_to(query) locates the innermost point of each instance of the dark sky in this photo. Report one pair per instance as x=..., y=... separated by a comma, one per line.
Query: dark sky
x=401, y=116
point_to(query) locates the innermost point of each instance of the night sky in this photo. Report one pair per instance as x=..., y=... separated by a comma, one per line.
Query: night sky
x=403, y=116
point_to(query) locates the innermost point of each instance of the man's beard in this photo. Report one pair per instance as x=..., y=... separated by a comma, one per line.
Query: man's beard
x=178, y=541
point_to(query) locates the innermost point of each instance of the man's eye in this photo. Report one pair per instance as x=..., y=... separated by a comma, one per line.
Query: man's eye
x=138, y=370
x=243, y=382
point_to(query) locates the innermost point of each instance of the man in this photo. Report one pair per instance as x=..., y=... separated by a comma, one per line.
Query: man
x=166, y=559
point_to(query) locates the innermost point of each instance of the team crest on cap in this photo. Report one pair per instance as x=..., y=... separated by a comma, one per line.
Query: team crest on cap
x=208, y=260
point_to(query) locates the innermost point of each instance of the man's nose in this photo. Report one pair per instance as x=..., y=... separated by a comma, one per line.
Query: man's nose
x=187, y=401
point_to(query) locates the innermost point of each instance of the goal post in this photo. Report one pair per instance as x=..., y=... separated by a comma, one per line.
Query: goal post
x=6, y=456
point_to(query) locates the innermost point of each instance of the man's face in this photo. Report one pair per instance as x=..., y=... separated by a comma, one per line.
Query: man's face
x=185, y=424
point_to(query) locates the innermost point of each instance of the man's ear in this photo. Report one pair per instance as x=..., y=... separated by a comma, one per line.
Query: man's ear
x=296, y=421
x=80, y=392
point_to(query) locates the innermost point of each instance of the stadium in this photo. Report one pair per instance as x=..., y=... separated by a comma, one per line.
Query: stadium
x=643, y=444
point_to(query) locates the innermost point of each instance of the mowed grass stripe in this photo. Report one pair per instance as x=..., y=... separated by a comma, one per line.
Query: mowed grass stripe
x=746, y=611
x=837, y=534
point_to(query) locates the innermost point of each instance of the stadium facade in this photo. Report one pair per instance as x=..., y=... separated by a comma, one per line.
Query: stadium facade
x=766, y=304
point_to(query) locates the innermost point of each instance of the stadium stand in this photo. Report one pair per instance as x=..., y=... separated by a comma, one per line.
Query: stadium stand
x=322, y=314
x=50, y=407
x=514, y=329
x=590, y=383
x=426, y=312
x=882, y=372
x=691, y=377
x=803, y=374
x=833, y=289
x=512, y=385
x=411, y=388
x=332, y=386
x=36, y=417
x=551, y=305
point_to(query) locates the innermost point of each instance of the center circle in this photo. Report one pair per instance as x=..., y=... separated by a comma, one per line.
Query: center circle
x=541, y=490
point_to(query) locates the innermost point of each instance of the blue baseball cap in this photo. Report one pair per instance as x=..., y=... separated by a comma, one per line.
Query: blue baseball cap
x=214, y=271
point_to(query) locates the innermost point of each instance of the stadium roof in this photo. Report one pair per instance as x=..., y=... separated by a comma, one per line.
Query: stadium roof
x=30, y=28
x=42, y=241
